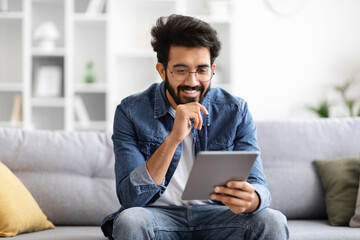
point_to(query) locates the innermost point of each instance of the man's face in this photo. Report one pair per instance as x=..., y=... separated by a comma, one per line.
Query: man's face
x=190, y=89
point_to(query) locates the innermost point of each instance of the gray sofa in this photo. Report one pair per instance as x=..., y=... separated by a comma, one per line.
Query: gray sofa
x=71, y=175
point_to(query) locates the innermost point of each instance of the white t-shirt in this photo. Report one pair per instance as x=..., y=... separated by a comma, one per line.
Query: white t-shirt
x=172, y=195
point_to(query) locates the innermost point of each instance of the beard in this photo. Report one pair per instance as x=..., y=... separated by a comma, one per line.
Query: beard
x=177, y=98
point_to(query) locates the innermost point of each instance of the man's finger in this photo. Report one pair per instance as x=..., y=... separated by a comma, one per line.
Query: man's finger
x=229, y=200
x=235, y=192
x=204, y=110
x=195, y=118
x=243, y=185
x=228, y=191
x=200, y=121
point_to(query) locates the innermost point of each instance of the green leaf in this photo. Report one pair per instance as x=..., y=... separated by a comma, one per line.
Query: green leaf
x=342, y=89
x=350, y=103
x=322, y=110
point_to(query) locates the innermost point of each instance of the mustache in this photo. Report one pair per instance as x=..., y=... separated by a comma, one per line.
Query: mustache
x=188, y=88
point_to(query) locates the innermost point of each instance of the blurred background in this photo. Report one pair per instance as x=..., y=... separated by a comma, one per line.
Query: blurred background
x=66, y=64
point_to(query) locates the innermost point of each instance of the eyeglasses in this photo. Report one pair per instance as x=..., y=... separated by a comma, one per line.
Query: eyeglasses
x=181, y=73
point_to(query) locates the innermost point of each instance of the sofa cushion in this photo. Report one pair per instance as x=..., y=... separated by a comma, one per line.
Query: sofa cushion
x=320, y=230
x=288, y=151
x=355, y=220
x=340, y=178
x=299, y=230
x=65, y=233
x=19, y=211
x=70, y=174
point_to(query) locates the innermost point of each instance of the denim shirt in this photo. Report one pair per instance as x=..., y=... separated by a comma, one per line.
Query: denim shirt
x=141, y=124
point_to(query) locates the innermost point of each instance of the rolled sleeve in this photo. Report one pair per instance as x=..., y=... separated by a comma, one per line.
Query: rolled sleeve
x=264, y=196
x=134, y=185
x=141, y=176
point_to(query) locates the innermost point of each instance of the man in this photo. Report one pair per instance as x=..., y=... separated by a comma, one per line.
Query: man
x=157, y=135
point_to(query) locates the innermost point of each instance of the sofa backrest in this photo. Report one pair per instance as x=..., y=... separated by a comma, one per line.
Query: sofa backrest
x=288, y=151
x=70, y=175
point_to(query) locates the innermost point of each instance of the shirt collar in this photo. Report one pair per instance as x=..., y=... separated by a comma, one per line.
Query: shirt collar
x=161, y=103
x=172, y=112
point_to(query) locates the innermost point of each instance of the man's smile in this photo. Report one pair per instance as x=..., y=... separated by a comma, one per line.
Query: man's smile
x=191, y=93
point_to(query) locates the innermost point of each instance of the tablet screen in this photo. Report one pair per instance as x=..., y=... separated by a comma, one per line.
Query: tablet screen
x=216, y=168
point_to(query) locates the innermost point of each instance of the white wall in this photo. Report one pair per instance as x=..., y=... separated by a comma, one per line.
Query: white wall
x=288, y=62
x=284, y=62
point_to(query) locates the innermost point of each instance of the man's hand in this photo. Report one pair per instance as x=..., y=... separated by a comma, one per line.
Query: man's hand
x=240, y=196
x=182, y=124
x=159, y=162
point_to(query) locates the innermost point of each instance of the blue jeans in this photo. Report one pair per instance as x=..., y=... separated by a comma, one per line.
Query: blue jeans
x=198, y=222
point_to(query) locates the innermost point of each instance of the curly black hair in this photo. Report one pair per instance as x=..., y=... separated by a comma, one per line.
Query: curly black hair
x=183, y=31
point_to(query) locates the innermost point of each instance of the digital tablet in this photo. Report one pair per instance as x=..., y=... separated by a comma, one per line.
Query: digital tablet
x=216, y=168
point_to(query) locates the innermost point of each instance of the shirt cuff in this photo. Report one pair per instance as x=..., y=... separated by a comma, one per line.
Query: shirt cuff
x=140, y=176
x=264, y=198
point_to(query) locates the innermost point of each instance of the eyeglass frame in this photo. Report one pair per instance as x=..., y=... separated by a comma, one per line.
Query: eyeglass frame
x=212, y=74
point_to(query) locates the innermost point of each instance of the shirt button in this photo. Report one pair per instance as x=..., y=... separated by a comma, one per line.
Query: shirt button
x=110, y=216
x=176, y=160
x=165, y=182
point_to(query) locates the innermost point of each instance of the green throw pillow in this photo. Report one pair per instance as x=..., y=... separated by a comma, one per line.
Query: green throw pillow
x=355, y=220
x=340, y=179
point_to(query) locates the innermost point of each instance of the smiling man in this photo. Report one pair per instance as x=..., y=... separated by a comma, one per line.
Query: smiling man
x=181, y=59
x=157, y=134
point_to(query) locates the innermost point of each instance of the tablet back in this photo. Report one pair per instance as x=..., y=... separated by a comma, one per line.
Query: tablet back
x=216, y=169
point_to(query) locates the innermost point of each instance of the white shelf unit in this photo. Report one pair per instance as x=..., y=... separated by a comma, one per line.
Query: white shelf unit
x=83, y=17
x=38, y=52
x=91, y=45
x=12, y=67
x=90, y=88
x=134, y=58
x=48, y=102
x=11, y=16
x=8, y=124
x=11, y=87
x=116, y=41
x=82, y=38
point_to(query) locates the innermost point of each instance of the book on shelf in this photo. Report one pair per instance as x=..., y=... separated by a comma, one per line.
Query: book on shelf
x=96, y=6
x=81, y=112
x=16, y=114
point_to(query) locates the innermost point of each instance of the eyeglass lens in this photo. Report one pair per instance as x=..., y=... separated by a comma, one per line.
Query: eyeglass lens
x=180, y=73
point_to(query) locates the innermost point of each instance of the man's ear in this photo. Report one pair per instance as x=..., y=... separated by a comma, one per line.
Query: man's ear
x=213, y=67
x=161, y=70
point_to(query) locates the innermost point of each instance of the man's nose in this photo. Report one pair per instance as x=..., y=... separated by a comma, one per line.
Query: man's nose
x=191, y=80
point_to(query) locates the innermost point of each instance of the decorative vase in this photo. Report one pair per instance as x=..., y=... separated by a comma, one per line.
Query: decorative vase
x=89, y=76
